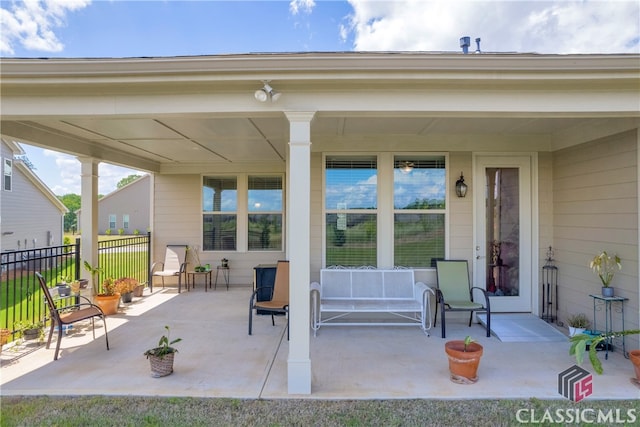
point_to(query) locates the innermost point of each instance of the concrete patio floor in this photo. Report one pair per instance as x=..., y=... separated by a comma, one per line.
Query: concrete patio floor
x=218, y=359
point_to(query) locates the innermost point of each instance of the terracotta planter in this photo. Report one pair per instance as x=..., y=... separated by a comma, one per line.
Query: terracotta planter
x=108, y=303
x=138, y=291
x=634, y=356
x=463, y=365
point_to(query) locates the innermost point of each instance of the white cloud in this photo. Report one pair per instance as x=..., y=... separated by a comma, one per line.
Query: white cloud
x=66, y=176
x=31, y=23
x=504, y=26
x=298, y=6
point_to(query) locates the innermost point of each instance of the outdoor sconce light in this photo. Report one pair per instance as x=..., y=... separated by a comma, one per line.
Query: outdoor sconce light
x=461, y=187
x=266, y=93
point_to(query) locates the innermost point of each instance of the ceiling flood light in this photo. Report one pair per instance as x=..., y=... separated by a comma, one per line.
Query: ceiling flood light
x=266, y=93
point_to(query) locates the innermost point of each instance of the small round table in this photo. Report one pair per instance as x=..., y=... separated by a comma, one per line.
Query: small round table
x=225, y=275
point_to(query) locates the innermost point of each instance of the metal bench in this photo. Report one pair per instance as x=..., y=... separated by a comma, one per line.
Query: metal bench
x=345, y=291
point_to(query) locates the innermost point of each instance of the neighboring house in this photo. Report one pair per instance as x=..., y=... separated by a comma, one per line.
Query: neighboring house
x=126, y=209
x=356, y=163
x=32, y=216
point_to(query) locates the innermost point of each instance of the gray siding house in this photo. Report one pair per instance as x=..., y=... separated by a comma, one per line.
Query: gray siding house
x=126, y=209
x=32, y=216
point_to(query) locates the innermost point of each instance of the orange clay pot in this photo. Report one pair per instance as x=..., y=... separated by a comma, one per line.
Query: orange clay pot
x=463, y=365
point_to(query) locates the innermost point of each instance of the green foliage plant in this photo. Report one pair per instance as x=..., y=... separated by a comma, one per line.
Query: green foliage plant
x=579, y=346
x=164, y=346
x=604, y=265
x=95, y=272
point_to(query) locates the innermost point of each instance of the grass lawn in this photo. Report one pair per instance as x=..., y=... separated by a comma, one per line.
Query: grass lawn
x=155, y=411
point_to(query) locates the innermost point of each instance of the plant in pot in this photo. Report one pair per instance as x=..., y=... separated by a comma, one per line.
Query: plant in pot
x=64, y=286
x=30, y=330
x=605, y=265
x=109, y=298
x=578, y=323
x=464, y=359
x=125, y=287
x=161, y=357
x=579, y=347
x=139, y=290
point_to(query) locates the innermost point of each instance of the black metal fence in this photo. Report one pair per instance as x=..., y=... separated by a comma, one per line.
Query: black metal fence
x=20, y=297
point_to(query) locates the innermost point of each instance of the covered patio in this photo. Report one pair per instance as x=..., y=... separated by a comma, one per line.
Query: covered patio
x=218, y=359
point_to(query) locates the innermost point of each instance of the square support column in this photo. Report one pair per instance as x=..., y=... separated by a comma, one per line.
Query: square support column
x=298, y=226
x=89, y=214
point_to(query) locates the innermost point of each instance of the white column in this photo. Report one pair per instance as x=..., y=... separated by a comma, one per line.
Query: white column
x=298, y=224
x=89, y=214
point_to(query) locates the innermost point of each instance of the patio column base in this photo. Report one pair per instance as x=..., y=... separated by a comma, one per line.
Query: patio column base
x=299, y=376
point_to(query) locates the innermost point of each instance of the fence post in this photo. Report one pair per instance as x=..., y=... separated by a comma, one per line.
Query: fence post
x=150, y=277
x=77, y=258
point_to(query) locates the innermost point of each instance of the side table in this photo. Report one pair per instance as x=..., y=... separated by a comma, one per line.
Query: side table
x=225, y=276
x=193, y=274
x=607, y=302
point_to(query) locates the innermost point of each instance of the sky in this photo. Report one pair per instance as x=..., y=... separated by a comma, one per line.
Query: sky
x=114, y=28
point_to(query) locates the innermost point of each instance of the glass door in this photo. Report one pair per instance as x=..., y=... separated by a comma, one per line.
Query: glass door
x=503, y=232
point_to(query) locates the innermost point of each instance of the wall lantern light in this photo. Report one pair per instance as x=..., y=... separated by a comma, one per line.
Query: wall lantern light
x=461, y=187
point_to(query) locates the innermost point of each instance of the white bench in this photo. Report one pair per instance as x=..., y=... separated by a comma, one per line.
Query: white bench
x=344, y=291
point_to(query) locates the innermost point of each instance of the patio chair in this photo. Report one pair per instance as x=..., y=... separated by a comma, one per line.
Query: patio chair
x=279, y=302
x=455, y=293
x=67, y=315
x=175, y=264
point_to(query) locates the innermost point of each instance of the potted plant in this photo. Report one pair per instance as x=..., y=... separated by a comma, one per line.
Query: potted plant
x=125, y=287
x=578, y=323
x=605, y=266
x=109, y=298
x=161, y=357
x=64, y=288
x=579, y=347
x=30, y=330
x=139, y=290
x=464, y=359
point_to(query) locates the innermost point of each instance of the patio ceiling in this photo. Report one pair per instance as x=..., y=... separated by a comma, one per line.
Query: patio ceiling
x=172, y=114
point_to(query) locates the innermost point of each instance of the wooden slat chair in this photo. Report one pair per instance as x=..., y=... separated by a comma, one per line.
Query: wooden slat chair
x=279, y=303
x=175, y=264
x=455, y=293
x=70, y=314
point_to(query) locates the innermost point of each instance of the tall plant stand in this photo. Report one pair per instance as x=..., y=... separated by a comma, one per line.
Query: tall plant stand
x=609, y=304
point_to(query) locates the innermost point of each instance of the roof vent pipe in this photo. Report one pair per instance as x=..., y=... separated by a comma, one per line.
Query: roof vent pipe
x=465, y=42
x=478, y=44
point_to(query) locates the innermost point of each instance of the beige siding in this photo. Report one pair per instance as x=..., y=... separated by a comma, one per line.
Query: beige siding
x=595, y=209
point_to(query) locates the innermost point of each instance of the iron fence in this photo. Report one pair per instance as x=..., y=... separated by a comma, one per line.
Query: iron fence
x=21, y=300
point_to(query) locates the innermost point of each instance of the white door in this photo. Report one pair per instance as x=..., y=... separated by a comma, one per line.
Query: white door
x=503, y=231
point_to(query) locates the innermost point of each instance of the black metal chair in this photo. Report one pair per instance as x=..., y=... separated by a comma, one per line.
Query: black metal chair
x=61, y=316
x=455, y=293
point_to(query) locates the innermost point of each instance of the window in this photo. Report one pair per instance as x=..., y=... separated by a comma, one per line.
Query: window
x=125, y=221
x=219, y=217
x=265, y=213
x=419, y=188
x=112, y=221
x=8, y=173
x=351, y=198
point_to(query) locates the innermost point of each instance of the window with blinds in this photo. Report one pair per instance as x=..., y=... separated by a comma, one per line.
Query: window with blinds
x=265, y=208
x=351, y=198
x=419, y=189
